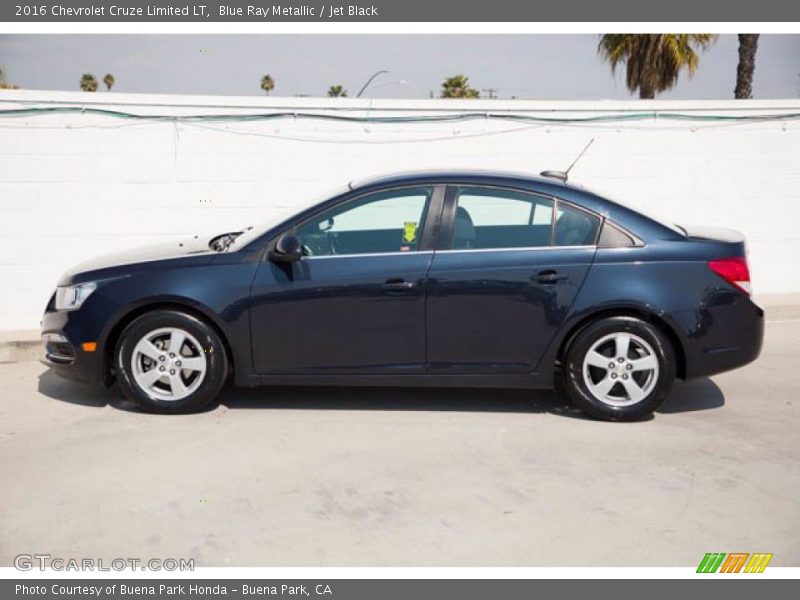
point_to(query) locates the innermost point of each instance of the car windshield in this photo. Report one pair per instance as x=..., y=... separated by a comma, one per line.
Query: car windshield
x=280, y=215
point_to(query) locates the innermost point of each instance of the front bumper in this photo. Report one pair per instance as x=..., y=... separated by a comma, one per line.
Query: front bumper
x=63, y=335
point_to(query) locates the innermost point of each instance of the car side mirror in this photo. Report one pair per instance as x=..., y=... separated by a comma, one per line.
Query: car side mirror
x=287, y=249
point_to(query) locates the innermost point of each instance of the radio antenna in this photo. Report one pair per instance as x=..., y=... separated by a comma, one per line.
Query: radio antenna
x=564, y=175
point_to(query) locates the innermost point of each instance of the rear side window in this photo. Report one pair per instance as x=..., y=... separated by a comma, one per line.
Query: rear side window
x=575, y=227
x=492, y=218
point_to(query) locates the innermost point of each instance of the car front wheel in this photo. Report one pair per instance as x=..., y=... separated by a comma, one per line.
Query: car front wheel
x=619, y=369
x=170, y=362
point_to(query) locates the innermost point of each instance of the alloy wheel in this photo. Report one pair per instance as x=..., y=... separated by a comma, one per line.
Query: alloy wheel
x=620, y=369
x=168, y=363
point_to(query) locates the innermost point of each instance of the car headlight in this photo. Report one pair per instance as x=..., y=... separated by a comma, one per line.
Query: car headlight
x=71, y=297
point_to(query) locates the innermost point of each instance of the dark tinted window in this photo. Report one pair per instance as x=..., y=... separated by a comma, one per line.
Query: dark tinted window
x=575, y=227
x=614, y=237
x=494, y=218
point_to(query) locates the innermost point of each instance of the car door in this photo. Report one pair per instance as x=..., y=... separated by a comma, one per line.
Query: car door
x=508, y=267
x=355, y=302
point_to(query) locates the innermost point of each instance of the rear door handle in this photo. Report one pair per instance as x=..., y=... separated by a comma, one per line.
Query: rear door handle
x=549, y=277
x=398, y=285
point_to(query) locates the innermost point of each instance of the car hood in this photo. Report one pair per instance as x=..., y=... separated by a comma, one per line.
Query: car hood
x=191, y=246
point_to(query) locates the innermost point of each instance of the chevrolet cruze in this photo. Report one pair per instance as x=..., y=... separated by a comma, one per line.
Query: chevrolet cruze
x=428, y=279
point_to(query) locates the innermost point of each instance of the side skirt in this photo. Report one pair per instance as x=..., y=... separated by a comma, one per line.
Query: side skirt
x=531, y=381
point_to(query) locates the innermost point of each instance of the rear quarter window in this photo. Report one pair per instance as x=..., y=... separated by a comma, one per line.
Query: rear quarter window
x=613, y=237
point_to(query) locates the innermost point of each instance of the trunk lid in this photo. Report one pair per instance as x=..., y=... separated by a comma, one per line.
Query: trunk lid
x=721, y=242
x=712, y=234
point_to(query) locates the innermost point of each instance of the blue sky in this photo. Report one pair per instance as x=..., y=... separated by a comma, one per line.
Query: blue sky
x=525, y=66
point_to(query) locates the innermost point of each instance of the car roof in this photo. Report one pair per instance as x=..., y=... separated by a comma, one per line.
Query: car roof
x=447, y=175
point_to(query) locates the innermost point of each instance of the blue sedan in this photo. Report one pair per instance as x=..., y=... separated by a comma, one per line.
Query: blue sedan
x=466, y=279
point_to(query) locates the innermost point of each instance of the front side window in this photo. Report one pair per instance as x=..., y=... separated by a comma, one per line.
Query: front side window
x=493, y=218
x=387, y=221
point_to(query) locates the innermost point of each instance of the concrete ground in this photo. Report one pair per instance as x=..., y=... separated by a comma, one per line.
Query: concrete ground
x=405, y=477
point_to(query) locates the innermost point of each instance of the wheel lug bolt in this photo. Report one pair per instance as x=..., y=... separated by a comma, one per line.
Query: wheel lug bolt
x=162, y=369
x=172, y=371
x=613, y=376
x=171, y=355
x=621, y=360
x=178, y=363
x=611, y=365
x=625, y=376
x=629, y=367
x=162, y=358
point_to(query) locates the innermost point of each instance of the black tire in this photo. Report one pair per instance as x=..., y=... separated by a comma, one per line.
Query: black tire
x=211, y=380
x=658, y=385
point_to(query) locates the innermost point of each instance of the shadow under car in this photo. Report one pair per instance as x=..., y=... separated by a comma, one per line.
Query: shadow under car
x=700, y=394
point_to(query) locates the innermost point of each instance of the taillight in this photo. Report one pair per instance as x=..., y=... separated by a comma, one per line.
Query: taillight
x=733, y=270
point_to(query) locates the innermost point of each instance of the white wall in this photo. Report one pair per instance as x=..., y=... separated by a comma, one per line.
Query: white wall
x=76, y=186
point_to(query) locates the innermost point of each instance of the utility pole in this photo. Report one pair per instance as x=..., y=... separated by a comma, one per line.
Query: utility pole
x=371, y=77
x=491, y=92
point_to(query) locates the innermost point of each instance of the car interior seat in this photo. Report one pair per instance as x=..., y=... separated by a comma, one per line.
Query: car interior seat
x=573, y=229
x=463, y=230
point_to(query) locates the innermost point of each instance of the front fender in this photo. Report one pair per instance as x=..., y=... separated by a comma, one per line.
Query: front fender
x=218, y=293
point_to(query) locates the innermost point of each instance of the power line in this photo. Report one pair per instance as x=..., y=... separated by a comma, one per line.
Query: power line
x=371, y=118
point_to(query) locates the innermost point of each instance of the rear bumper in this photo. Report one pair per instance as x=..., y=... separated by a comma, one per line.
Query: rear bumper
x=725, y=333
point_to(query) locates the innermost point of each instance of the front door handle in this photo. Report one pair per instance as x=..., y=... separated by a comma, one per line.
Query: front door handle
x=549, y=277
x=398, y=285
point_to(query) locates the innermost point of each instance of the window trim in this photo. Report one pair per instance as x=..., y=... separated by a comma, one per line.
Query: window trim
x=513, y=249
x=445, y=238
x=369, y=254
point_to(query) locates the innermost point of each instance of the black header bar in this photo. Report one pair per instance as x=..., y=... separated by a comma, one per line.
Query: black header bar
x=255, y=11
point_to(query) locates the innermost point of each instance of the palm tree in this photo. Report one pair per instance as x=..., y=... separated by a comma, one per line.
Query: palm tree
x=337, y=91
x=88, y=83
x=267, y=83
x=653, y=61
x=748, y=45
x=458, y=87
x=4, y=85
x=109, y=81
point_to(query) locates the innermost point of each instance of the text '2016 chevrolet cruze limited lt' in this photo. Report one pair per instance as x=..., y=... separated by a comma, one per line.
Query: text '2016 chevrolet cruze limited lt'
x=427, y=279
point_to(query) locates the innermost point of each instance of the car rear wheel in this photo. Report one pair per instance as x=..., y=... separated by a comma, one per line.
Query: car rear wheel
x=619, y=369
x=171, y=362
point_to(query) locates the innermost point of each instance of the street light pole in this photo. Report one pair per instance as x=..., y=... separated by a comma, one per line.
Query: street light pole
x=366, y=85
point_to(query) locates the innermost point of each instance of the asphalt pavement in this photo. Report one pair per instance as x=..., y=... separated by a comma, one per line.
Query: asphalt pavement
x=405, y=477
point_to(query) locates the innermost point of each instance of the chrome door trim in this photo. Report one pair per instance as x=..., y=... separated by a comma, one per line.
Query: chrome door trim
x=512, y=249
x=369, y=254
